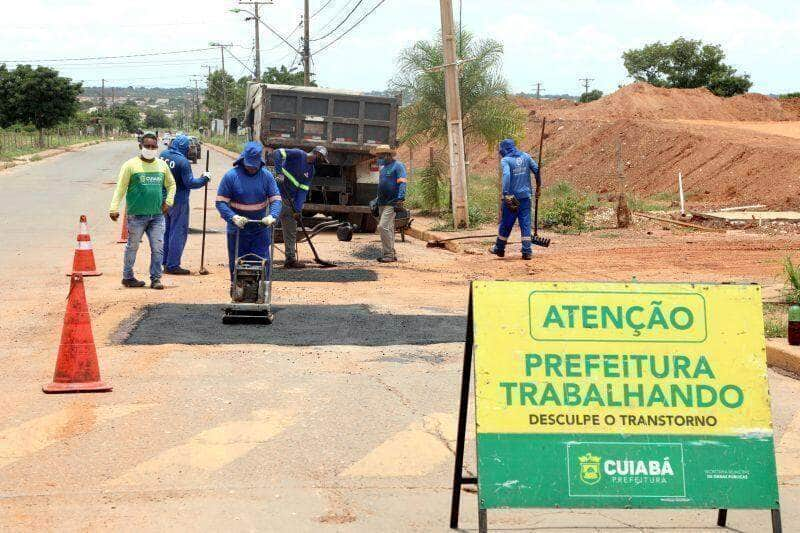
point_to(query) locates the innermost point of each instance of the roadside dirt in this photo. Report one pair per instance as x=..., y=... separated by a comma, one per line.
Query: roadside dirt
x=744, y=149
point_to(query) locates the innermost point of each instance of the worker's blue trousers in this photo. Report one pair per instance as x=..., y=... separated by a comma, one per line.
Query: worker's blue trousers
x=523, y=214
x=175, y=235
x=251, y=241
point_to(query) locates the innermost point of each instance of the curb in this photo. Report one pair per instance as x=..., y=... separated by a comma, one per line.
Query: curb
x=51, y=152
x=783, y=356
x=221, y=150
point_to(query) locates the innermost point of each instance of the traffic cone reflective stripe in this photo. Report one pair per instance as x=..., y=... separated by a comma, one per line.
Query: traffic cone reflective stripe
x=123, y=237
x=77, y=369
x=83, y=262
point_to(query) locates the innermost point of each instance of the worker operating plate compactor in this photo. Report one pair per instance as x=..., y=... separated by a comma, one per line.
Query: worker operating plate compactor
x=249, y=201
x=251, y=287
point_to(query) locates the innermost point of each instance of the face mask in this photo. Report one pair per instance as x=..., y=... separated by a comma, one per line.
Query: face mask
x=149, y=153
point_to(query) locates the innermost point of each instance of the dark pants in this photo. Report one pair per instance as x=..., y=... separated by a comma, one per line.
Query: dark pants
x=175, y=235
x=523, y=215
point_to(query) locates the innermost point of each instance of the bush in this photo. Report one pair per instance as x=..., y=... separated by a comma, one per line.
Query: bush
x=563, y=209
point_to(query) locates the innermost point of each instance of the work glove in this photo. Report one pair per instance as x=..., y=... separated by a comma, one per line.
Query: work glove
x=511, y=202
x=206, y=176
x=268, y=220
x=239, y=221
x=113, y=216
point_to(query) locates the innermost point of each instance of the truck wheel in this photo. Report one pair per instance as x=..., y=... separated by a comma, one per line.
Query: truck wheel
x=344, y=233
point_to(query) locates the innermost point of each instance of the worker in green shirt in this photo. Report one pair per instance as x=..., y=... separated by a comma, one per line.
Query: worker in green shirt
x=142, y=180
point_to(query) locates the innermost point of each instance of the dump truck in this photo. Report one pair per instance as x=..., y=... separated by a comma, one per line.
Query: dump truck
x=351, y=125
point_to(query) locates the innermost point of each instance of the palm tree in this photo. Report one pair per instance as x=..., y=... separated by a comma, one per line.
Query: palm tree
x=487, y=113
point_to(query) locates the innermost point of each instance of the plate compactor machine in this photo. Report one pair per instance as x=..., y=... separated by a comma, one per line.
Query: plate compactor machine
x=251, y=288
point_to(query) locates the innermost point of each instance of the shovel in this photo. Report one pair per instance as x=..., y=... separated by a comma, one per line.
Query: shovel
x=317, y=259
x=535, y=239
x=203, y=270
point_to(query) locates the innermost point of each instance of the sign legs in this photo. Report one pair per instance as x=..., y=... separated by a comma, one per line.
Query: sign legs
x=483, y=521
x=458, y=475
x=722, y=518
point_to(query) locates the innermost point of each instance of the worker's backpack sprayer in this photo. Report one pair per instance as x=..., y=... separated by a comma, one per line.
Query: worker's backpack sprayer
x=251, y=288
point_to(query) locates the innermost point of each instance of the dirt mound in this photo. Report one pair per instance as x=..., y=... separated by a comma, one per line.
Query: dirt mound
x=644, y=101
x=791, y=105
x=535, y=105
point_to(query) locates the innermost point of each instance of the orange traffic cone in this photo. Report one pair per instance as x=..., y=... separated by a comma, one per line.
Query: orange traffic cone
x=123, y=237
x=76, y=367
x=83, y=263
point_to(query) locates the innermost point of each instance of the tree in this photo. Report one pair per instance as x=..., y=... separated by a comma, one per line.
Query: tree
x=219, y=87
x=285, y=76
x=128, y=115
x=156, y=118
x=685, y=64
x=36, y=96
x=488, y=114
x=591, y=96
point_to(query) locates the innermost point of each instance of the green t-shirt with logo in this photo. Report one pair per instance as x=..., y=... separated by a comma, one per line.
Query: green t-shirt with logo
x=142, y=183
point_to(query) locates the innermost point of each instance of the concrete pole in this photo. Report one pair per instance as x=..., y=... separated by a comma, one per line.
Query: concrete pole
x=226, y=112
x=455, y=132
x=256, y=21
x=306, y=47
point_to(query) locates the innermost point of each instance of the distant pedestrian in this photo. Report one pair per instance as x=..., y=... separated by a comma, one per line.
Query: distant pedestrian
x=391, y=196
x=177, y=220
x=142, y=181
x=517, y=167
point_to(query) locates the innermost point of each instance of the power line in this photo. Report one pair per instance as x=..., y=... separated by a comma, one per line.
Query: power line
x=341, y=23
x=331, y=20
x=145, y=54
x=351, y=28
x=326, y=4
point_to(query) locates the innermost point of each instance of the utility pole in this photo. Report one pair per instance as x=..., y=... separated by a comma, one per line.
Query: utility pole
x=455, y=132
x=586, y=82
x=196, y=104
x=307, y=46
x=103, y=94
x=256, y=20
x=226, y=119
x=113, y=96
x=538, y=90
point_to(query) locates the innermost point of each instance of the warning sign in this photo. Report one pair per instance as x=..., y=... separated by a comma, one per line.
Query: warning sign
x=622, y=395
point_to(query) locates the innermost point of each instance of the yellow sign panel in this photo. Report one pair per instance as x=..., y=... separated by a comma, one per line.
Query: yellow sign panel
x=633, y=358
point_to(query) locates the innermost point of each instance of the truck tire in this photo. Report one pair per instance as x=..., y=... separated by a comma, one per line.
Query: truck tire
x=344, y=233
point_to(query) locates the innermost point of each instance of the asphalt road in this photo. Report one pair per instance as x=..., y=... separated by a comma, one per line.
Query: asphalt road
x=338, y=418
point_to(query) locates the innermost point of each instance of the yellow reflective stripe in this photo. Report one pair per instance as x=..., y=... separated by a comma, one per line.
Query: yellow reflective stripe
x=293, y=180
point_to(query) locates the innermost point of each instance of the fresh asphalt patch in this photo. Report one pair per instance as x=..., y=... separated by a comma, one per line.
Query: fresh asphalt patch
x=294, y=325
x=336, y=275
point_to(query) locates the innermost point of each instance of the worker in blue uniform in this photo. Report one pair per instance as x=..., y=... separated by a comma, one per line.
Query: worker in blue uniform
x=517, y=167
x=295, y=170
x=248, y=192
x=177, y=219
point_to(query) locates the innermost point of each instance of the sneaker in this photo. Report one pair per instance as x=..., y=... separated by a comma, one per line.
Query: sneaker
x=387, y=259
x=496, y=251
x=293, y=263
x=132, y=283
x=527, y=257
x=177, y=271
x=156, y=284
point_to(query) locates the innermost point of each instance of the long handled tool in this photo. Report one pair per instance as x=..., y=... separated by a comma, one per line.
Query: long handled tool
x=317, y=259
x=203, y=270
x=535, y=239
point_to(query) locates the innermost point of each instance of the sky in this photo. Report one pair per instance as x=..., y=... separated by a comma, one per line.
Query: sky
x=555, y=43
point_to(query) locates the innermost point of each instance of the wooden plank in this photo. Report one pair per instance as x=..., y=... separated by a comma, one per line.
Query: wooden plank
x=680, y=223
